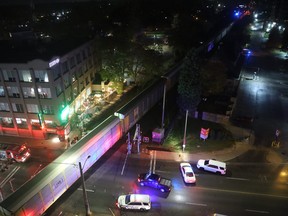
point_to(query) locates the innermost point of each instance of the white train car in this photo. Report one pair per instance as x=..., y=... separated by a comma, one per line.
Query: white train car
x=38, y=194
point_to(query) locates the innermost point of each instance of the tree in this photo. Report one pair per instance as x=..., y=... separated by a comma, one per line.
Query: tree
x=114, y=69
x=189, y=87
x=213, y=78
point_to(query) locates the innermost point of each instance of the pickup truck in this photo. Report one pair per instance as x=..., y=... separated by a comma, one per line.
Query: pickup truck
x=155, y=181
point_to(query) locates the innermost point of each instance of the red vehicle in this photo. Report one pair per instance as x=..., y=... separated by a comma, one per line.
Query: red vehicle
x=14, y=152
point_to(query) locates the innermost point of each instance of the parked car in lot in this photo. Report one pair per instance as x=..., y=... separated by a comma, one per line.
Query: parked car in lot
x=139, y=202
x=155, y=181
x=212, y=165
x=187, y=173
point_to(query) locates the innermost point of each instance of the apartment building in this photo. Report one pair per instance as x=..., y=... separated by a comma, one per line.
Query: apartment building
x=42, y=85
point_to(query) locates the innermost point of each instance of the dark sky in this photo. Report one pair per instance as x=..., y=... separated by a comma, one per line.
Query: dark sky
x=22, y=2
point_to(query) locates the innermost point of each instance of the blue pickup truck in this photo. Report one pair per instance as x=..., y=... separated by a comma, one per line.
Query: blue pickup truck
x=155, y=181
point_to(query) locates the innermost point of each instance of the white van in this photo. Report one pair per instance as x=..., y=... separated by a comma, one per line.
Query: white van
x=134, y=202
x=212, y=166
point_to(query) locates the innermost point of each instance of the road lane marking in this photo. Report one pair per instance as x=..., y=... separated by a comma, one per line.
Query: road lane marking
x=88, y=190
x=111, y=211
x=243, y=192
x=9, y=176
x=257, y=211
x=153, y=162
x=124, y=164
x=240, y=179
x=196, y=204
x=154, y=165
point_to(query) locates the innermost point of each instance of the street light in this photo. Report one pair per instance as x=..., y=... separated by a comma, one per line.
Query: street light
x=87, y=207
x=185, y=129
x=164, y=101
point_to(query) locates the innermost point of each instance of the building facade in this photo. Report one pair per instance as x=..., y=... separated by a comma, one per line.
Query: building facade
x=38, y=94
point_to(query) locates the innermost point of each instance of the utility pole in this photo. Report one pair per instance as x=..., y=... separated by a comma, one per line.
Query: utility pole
x=137, y=137
x=86, y=203
x=184, y=138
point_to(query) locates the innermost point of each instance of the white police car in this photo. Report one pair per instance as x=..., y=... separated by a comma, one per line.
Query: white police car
x=187, y=173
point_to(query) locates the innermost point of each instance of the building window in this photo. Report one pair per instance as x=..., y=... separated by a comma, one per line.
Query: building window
x=17, y=108
x=28, y=92
x=72, y=62
x=21, y=123
x=80, y=71
x=90, y=63
x=78, y=58
x=44, y=92
x=41, y=76
x=13, y=91
x=56, y=72
x=75, y=92
x=84, y=68
x=73, y=77
x=48, y=110
x=32, y=108
x=7, y=122
x=66, y=81
x=58, y=89
x=84, y=54
x=2, y=92
x=64, y=67
x=87, y=81
x=35, y=123
x=9, y=75
x=25, y=76
x=4, y=107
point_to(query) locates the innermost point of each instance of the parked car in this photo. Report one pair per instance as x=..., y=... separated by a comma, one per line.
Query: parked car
x=187, y=173
x=212, y=165
x=155, y=181
x=140, y=202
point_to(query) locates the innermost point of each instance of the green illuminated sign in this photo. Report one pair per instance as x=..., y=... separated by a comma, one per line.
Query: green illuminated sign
x=65, y=113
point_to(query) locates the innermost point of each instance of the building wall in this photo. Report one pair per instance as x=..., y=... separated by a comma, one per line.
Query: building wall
x=33, y=94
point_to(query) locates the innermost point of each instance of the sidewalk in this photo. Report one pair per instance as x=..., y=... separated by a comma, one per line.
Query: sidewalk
x=240, y=147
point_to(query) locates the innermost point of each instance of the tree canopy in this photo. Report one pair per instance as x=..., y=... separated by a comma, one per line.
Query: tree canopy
x=189, y=87
x=213, y=78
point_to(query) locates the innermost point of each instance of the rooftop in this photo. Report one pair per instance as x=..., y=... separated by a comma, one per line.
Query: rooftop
x=22, y=51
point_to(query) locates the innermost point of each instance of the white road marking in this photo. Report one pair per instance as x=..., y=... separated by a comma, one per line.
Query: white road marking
x=241, y=179
x=153, y=162
x=9, y=176
x=257, y=211
x=88, y=190
x=111, y=212
x=124, y=164
x=154, y=165
x=196, y=204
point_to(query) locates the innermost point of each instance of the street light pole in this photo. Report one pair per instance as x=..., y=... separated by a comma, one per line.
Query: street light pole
x=87, y=207
x=163, y=106
x=184, y=138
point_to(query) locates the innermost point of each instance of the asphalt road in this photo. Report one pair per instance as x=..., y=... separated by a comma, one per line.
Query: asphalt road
x=17, y=174
x=251, y=187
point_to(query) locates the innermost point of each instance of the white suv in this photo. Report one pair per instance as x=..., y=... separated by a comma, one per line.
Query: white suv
x=134, y=202
x=212, y=165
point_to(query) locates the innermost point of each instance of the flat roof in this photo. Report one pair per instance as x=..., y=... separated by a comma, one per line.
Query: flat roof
x=24, y=51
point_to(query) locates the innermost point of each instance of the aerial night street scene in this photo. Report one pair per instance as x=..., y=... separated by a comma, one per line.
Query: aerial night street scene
x=143, y=107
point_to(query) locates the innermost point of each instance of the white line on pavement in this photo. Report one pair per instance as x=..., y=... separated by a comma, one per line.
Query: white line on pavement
x=124, y=164
x=88, y=190
x=9, y=176
x=111, y=211
x=154, y=165
x=257, y=211
x=241, y=179
x=196, y=204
